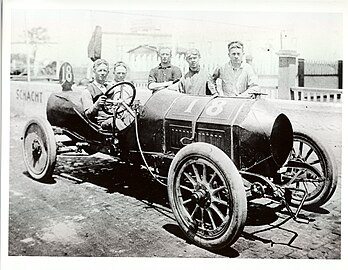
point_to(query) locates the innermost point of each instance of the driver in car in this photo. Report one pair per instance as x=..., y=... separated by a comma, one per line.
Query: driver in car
x=120, y=71
x=94, y=97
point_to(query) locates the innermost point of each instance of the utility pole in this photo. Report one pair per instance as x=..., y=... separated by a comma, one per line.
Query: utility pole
x=28, y=47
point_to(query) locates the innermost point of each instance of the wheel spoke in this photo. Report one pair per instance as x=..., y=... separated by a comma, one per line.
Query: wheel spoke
x=315, y=162
x=186, y=188
x=218, y=212
x=310, y=151
x=194, y=211
x=218, y=200
x=211, y=219
x=306, y=183
x=313, y=181
x=212, y=178
x=196, y=173
x=293, y=153
x=187, y=201
x=190, y=178
x=218, y=189
x=315, y=184
x=299, y=173
x=300, y=149
x=204, y=175
x=202, y=218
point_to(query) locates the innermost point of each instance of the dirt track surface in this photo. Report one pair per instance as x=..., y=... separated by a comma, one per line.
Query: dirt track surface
x=97, y=207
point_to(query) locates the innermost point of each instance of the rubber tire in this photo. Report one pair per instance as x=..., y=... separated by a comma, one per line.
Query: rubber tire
x=236, y=189
x=329, y=170
x=48, y=140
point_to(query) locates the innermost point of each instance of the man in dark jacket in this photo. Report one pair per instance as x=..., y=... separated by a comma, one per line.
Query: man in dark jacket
x=196, y=81
x=165, y=73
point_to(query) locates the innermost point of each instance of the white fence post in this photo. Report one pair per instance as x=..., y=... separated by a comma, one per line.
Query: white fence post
x=287, y=72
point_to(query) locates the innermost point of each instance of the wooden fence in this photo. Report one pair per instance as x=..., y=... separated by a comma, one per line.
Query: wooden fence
x=309, y=68
x=316, y=94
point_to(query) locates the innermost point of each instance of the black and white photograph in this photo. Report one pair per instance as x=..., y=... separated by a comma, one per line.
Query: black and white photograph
x=158, y=134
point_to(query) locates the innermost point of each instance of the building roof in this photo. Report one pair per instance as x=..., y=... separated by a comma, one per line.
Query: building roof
x=143, y=48
x=181, y=50
x=151, y=48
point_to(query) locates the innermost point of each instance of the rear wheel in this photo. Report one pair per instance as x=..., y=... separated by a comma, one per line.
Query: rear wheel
x=39, y=149
x=320, y=176
x=207, y=196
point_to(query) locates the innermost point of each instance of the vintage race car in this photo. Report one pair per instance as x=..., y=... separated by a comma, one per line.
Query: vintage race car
x=214, y=154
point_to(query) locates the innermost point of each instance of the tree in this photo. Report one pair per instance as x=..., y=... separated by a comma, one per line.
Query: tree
x=35, y=37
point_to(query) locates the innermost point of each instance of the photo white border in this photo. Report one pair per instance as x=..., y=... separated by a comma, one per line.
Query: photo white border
x=11, y=262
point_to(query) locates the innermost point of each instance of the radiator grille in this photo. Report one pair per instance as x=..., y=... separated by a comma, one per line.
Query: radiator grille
x=214, y=137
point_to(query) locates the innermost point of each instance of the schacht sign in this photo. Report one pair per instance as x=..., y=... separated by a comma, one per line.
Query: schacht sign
x=26, y=95
x=30, y=98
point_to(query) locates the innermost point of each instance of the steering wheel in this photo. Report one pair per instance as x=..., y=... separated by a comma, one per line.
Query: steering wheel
x=121, y=91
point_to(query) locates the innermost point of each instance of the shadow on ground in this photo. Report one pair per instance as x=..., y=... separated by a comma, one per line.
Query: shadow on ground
x=175, y=230
x=114, y=177
x=136, y=182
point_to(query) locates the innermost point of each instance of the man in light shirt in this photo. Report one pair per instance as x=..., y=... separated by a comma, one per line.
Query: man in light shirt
x=238, y=78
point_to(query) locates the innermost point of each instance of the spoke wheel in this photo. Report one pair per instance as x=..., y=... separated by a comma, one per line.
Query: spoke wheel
x=320, y=178
x=207, y=196
x=39, y=149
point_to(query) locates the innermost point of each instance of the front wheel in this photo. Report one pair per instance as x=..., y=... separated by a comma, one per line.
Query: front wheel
x=207, y=196
x=39, y=149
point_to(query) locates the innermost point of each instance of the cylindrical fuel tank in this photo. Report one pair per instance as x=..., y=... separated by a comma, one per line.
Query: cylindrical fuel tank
x=252, y=132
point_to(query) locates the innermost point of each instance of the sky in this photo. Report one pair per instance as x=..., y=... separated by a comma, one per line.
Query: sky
x=315, y=35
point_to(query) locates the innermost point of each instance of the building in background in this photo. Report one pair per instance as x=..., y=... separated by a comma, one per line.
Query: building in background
x=129, y=36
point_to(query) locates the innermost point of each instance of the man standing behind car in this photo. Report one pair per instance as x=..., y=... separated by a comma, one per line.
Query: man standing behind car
x=196, y=81
x=238, y=78
x=165, y=73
